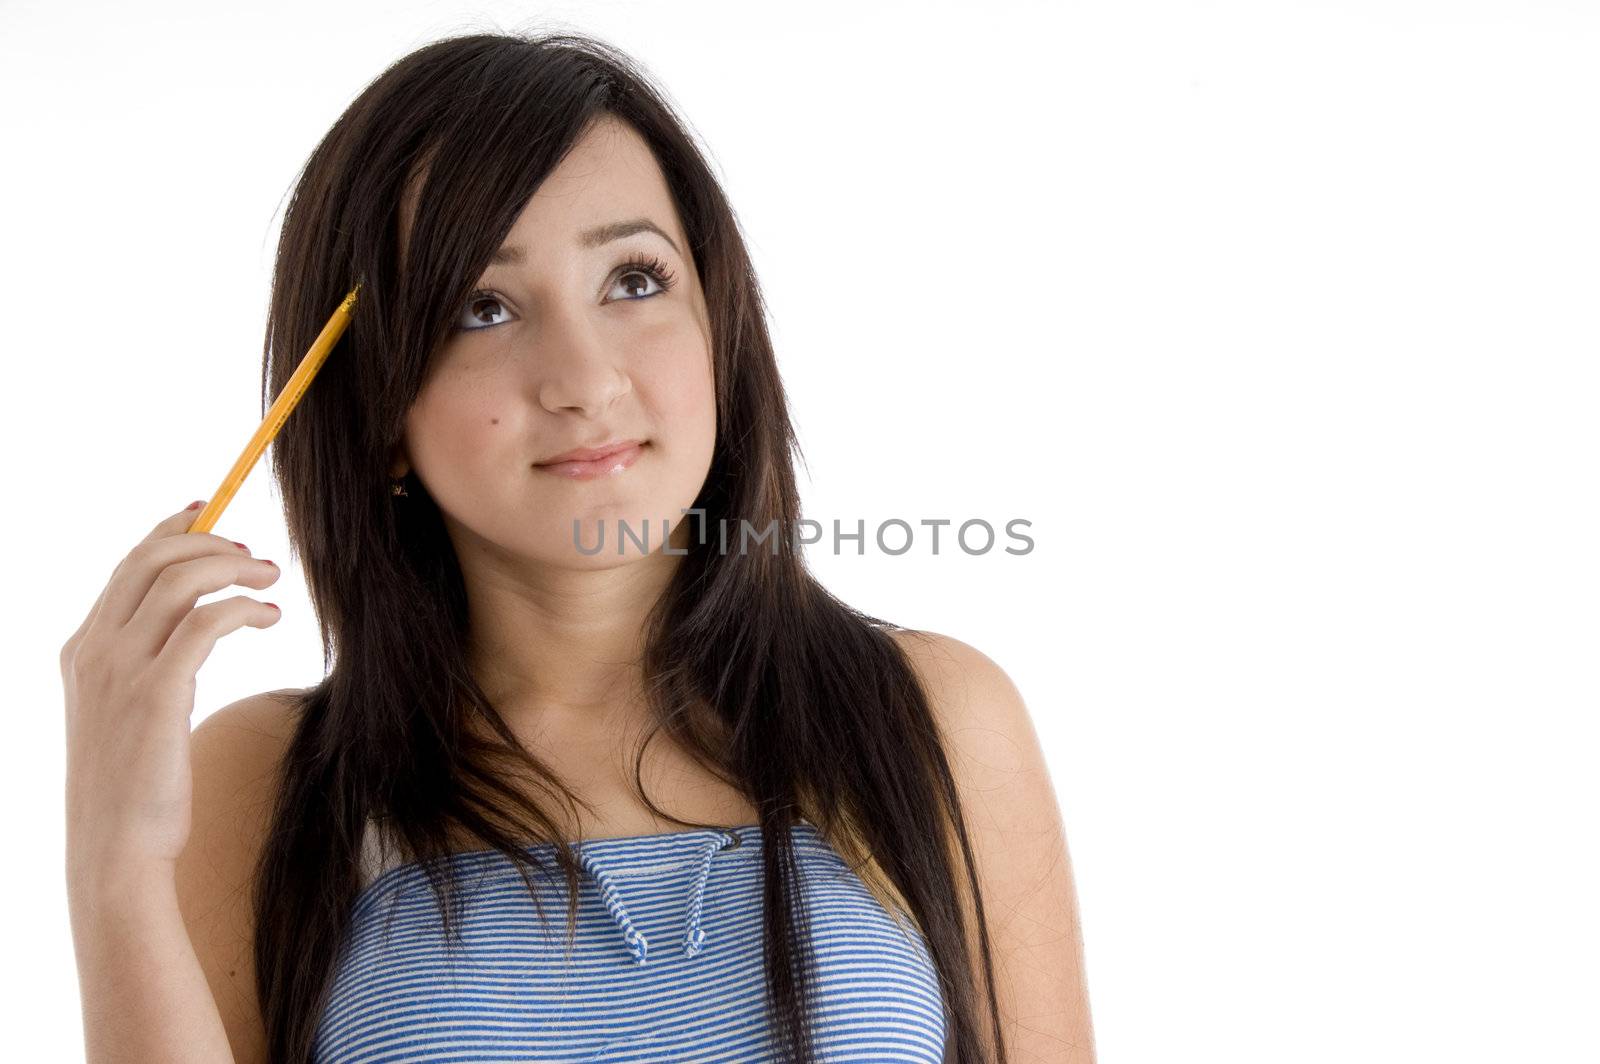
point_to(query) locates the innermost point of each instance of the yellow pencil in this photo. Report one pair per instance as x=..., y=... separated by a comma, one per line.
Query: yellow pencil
x=287, y=400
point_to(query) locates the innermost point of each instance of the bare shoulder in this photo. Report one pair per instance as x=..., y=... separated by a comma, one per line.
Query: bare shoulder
x=264, y=719
x=1019, y=843
x=987, y=734
x=958, y=676
x=234, y=753
x=989, y=739
x=982, y=718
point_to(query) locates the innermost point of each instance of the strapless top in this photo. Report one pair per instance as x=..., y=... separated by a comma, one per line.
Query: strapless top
x=666, y=962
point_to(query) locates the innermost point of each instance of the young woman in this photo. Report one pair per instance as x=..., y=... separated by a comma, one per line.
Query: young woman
x=534, y=491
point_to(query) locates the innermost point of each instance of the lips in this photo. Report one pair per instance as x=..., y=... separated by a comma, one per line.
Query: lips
x=591, y=454
x=607, y=460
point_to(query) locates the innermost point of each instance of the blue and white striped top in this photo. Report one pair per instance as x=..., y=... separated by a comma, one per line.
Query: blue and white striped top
x=666, y=963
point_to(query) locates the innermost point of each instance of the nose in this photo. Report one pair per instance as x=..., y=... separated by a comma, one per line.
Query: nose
x=578, y=369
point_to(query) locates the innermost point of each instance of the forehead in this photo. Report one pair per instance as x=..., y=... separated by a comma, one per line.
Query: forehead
x=609, y=174
x=608, y=171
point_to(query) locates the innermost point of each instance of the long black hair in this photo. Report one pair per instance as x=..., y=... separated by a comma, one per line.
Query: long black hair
x=809, y=707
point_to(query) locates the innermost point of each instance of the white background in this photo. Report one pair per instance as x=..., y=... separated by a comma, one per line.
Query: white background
x=1277, y=320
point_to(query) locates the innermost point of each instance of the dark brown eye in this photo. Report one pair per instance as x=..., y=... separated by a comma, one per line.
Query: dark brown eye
x=652, y=268
x=482, y=306
x=644, y=279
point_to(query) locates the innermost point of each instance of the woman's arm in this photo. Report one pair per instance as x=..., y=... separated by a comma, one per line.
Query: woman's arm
x=165, y=952
x=144, y=995
x=1020, y=846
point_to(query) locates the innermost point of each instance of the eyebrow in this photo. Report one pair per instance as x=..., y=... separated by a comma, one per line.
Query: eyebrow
x=514, y=254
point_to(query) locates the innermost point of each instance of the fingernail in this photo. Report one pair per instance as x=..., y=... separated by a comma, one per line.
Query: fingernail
x=195, y=505
x=275, y=606
x=236, y=543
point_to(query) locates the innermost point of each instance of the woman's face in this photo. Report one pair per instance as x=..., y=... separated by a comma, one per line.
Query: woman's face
x=576, y=340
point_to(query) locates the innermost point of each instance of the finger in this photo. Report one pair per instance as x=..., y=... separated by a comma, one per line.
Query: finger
x=179, y=586
x=167, y=526
x=178, y=522
x=143, y=567
x=196, y=635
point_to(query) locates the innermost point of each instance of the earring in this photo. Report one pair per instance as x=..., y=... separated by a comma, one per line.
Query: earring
x=398, y=487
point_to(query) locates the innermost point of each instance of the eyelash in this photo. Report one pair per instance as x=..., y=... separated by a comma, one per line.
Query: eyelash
x=636, y=263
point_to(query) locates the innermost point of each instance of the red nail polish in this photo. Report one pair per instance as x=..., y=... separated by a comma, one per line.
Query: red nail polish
x=275, y=606
x=195, y=505
x=236, y=543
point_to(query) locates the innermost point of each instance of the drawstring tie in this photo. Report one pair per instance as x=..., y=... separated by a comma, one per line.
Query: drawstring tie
x=694, y=937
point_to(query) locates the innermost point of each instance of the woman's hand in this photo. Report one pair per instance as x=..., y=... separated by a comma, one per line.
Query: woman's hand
x=129, y=676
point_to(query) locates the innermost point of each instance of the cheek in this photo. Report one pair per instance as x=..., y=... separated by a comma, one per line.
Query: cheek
x=678, y=374
x=457, y=425
x=683, y=396
x=686, y=390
